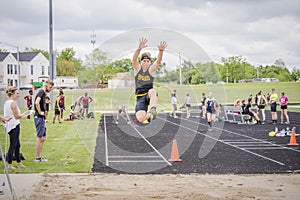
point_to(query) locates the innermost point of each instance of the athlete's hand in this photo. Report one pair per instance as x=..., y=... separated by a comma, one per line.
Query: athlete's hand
x=162, y=45
x=143, y=42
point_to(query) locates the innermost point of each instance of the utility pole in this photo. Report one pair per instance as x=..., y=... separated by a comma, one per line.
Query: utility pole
x=93, y=41
x=180, y=73
x=51, y=56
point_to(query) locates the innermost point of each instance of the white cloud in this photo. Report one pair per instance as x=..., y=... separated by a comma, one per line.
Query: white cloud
x=261, y=31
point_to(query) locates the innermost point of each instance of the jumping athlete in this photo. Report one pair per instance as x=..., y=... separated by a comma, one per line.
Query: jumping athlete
x=144, y=73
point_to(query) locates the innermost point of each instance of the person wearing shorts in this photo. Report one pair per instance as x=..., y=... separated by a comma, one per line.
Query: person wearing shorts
x=187, y=103
x=122, y=109
x=39, y=118
x=248, y=111
x=174, y=104
x=210, y=109
x=144, y=73
x=261, y=105
x=273, y=104
x=283, y=104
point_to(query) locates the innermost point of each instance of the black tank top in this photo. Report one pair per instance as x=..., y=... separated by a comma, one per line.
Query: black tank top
x=143, y=82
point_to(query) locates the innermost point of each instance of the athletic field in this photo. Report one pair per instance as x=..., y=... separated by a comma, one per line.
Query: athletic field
x=226, y=149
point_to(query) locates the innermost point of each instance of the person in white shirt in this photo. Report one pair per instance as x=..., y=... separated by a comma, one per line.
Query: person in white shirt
x=174, y=104
x=12, y=111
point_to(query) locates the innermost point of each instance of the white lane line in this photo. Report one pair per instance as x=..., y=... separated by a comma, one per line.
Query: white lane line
x=264, y=148
x=136, y=161
x=255, y=139
x=134, y=156
x=206, y=135
x=105, y=139
x=151, y=145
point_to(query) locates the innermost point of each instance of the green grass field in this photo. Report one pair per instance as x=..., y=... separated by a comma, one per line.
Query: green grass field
x=70, y=146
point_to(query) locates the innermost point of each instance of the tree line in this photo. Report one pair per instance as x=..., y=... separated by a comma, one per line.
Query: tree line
x=232, y=69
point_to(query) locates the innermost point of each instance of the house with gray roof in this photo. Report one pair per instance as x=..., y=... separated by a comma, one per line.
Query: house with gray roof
x=32, y=66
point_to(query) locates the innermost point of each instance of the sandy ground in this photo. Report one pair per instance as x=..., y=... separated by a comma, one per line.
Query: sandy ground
x=168, y=186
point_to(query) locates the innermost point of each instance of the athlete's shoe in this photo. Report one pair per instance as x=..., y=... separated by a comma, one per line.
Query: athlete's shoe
x=153, y=113
x=146, y=122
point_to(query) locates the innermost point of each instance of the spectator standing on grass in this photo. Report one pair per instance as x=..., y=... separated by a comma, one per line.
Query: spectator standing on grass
x=273, y=104
x=85, y=101
x=11, y=110
x=28, y=99
x=4, y=119
x=283, y=104
x=58, y=107
x=174, y=104
x=47, y=107
x=248, y=111
x=261, y=104
x=39, y=118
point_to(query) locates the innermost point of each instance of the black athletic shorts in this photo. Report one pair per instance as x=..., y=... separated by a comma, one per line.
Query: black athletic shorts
x=273, y=107
x=142, y=103
x=283, y=107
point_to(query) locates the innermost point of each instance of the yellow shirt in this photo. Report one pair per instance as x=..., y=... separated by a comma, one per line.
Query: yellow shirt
x=273, y=98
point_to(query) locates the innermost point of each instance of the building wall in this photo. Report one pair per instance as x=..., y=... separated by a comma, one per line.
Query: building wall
x=25, y=70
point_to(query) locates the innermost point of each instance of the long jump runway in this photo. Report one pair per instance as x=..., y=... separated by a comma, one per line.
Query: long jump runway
x=225, y=149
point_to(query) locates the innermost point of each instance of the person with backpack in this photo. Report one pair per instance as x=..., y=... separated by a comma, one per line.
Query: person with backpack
x=261, y=105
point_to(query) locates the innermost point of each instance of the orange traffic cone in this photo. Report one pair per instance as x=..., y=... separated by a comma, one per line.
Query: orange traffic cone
x=174, y=153
x=293, y=139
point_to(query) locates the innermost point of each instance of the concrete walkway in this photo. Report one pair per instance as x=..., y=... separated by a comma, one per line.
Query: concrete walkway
x=23, y=185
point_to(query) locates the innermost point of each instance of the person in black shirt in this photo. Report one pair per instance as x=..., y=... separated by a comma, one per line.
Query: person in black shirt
x=39, y=118
x=144, y=73
x=249, y=111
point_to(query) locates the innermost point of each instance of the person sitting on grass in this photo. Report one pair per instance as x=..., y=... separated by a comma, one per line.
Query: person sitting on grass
x=248, y=111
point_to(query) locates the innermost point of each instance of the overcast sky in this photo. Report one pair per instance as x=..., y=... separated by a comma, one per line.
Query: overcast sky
x=261, y=31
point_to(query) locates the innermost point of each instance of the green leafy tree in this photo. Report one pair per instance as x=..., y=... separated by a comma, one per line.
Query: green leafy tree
x=67, y=64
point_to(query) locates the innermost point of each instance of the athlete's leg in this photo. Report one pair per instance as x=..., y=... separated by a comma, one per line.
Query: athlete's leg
x=141, y=115
x=153, y=98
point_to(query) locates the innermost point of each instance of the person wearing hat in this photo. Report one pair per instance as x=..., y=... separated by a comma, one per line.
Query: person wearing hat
x=144, y=72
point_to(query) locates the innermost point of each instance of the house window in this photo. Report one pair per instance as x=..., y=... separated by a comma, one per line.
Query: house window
x=16, y=69
x=9, y=69
x=31, y=81
x=31, y=69
x=16, y=83
x=43, y=70
x=10, y=82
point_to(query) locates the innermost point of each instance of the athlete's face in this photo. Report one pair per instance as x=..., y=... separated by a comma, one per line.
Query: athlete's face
x=145, y=63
